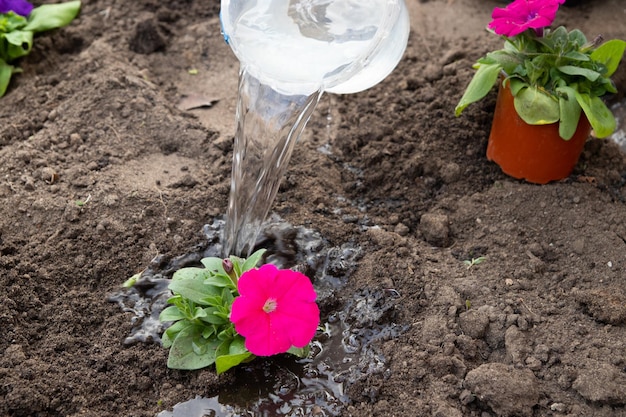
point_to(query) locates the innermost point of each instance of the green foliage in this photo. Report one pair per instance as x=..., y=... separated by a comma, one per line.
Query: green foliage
x=17, y=32
x=553, y=79
x=202, y=333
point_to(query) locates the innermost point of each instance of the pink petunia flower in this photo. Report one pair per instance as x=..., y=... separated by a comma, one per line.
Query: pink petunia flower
x=275, y=310
x=524, y=14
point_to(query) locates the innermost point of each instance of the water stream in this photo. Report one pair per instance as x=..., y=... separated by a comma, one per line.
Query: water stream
x=269, y=124
x=290, y=52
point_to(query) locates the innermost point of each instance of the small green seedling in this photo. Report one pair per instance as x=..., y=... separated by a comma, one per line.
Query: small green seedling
x=474, y=261
x=81, y=203
x=130, y=282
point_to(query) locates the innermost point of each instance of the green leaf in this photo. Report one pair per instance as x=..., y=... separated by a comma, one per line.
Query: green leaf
x=171, y=313
x=577, y=56
x=601, y=119
x=171, y=332
x=516, y=85
x=212, y=318
x=569, y=112
x=19, y=44
x=577, y=37
x=559, y=36
x=609, y=54
x=208, y=331
x=507, y=60
x=222, y=348
x=224, y=362
x=237, y=353
x=199, y=313
x=184, y=352
x=253, y=260
x=227, y=333
x=219, y=280
x=213, y=264
x=299, y=352
x=535, y=107
x=52, y=16
x=227, y=297
x=194, y=289
x=130, y=282
x=11, y=21
x=483, y=81
x=591, y=75
x=237, y=345
x=190, y=273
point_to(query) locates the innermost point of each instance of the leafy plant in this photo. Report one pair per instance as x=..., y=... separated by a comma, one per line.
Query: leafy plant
x=19, y=22
x=554, y=75
x=229, y=312
x=202, y=333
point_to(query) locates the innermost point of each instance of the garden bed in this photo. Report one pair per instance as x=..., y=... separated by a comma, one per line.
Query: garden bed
x=105, y=169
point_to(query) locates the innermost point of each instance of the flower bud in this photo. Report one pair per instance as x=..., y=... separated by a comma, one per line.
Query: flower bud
x=227, y=264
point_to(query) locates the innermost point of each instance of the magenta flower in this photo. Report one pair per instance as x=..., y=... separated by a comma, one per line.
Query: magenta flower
x=524, y=14
x=21, y=7
x=275, y=310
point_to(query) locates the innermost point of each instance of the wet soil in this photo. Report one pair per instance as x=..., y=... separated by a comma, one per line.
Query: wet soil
x=104, y=167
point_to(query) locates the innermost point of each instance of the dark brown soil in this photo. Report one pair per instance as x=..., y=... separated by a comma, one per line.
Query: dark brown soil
x=101, y=171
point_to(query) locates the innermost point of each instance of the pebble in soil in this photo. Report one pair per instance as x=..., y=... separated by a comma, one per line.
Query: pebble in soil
x=343, y=353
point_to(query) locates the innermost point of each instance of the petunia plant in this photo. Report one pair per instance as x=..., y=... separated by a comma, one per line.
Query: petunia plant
x=228, y=312
x=554, y=75
x=19, y=22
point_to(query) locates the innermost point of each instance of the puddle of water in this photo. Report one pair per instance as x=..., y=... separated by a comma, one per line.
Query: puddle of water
x=343, y=353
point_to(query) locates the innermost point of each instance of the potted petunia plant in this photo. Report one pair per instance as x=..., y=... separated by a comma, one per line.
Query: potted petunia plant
x=19, y=22
x=229, y=311
x=551, y=94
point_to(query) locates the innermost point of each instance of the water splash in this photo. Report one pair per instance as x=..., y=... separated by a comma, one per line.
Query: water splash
x=342, y=353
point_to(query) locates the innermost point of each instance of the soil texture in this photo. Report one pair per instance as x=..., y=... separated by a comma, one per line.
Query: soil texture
x=116, y=149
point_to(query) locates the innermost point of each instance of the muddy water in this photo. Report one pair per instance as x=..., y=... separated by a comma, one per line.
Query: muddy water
x=343, y=352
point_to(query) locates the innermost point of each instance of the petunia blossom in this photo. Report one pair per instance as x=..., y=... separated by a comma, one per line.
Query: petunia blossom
x=524, y=14
x=21, y=7
x=275, y=310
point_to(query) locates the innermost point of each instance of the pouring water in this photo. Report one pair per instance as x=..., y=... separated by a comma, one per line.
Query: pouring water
x=290, y=52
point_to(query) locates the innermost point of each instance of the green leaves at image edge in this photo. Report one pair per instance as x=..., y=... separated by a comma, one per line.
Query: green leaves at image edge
x=17, y=32
x=6, y=71
x=52, y=16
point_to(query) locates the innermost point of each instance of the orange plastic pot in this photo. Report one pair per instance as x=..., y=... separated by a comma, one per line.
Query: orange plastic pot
x=535, y=153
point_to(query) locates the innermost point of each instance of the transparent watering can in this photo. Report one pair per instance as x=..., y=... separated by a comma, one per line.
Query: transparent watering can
x=290, y=52
x=338, y=46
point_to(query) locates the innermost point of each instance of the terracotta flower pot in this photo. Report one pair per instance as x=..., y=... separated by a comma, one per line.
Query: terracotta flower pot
x=535, y=153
